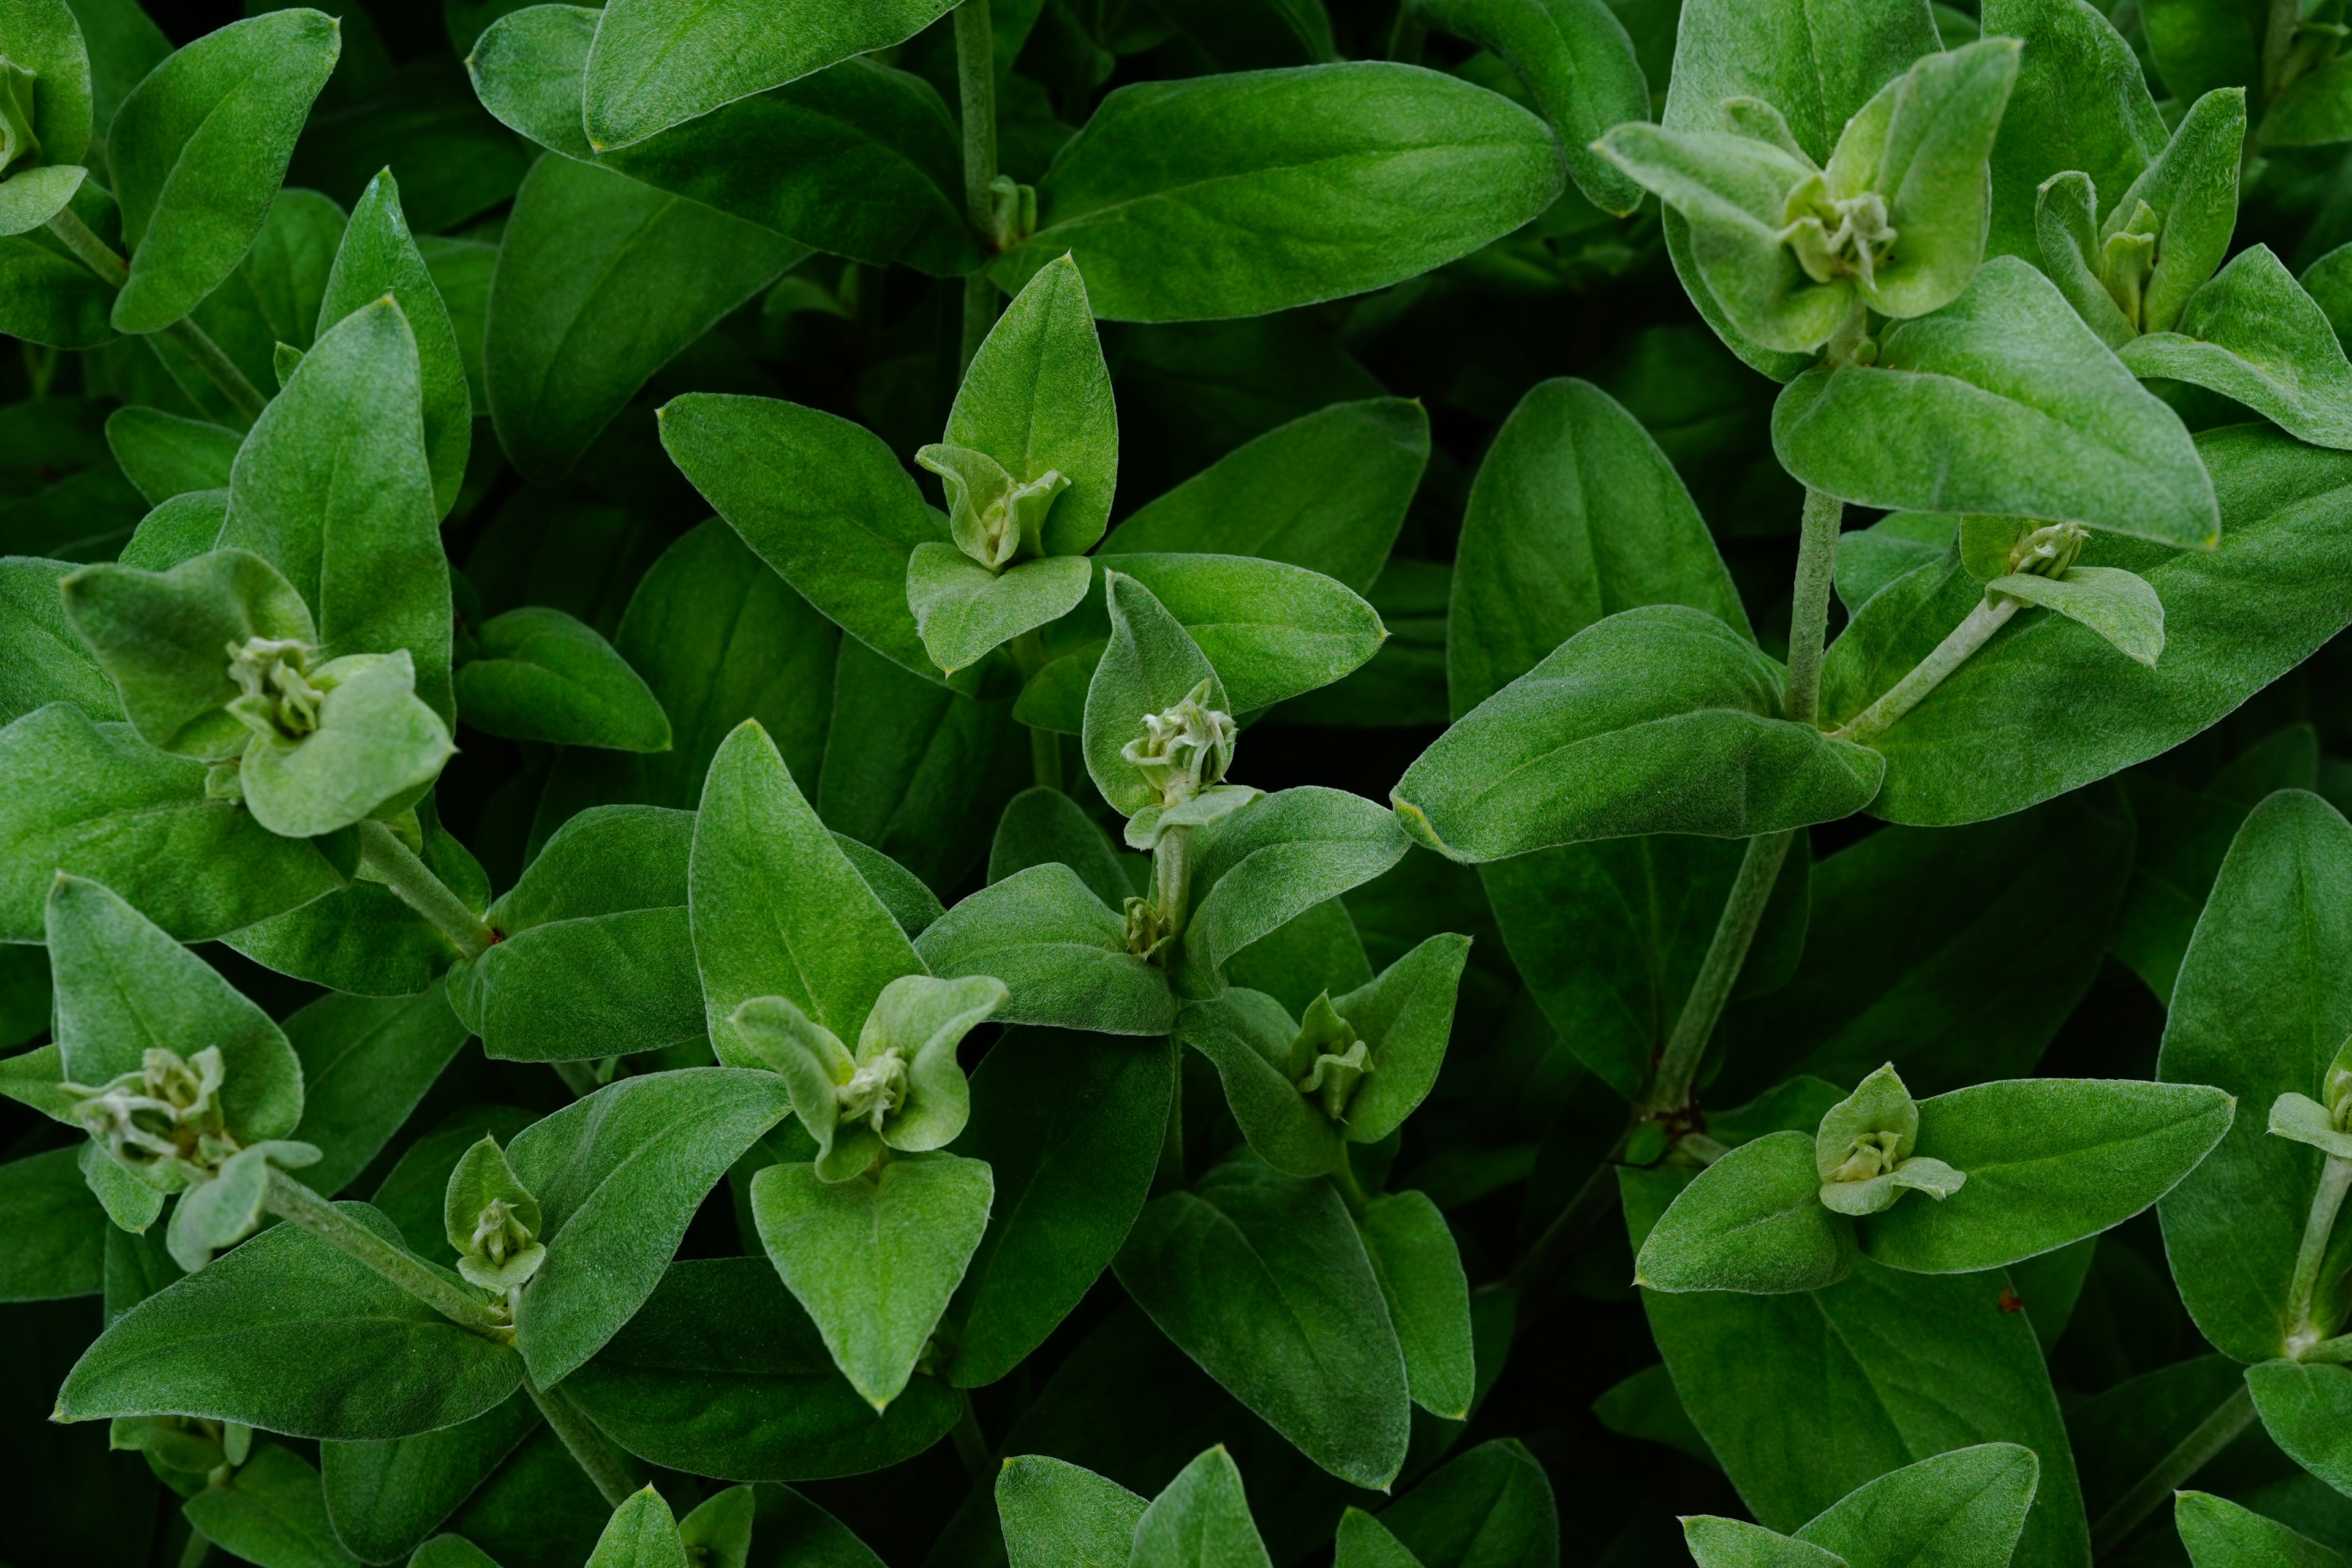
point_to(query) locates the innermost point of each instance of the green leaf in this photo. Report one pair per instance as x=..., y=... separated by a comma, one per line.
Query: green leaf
x=1428, y=1296
x=1495, y=1498
x=164, y=456
x=1326, y=491
x=379, y=257
x=46, y=659
x=1364, y=1541
x=367, y=1064
x=652, y=68
x=610, y=278
x=1754, y=1221
x=2001, y=402
x=384, y=1499
x=271, y=298
x=2192, y=189
x=45, y=38
x=1963, y=1510
x=58, y=1229
x=2313, y=110
x=1736, y=1544
x=1575, y=515
x=1057, y=1515
x=1237, y=194
x=1250, y=1039
x=820, y=500
x=963, y=611
x=1069, y=1126
x=722, y=1373
x=777, y=908
x=376, y=744
x=642, y=1533
x=1201, y=1521
x=1656, y=719
x=2279, y=550
x=539, y=675
x=1269, y=629
x=2120, y=605
x=45, y=295
x=1275, y=859
x=197, y=150
x=181, y=528
x=1262, y=1279
x=618, y=1175
x=271, y=1512
x=1305, y=956
x=363, y=940
x=857, y=160
x=2259, y=1011
x=1577, y=63
x=2218, y=1533
x=2080, y=102
x=96, y=801
x=1061, y=953
x=2252, y=334
x=332, y=488
x=287, y=1333
x=2303, y=1407
x=1150, y=665
x=1037, y=399
x=125, y=988
x=1042, y=825
x=875, y=1261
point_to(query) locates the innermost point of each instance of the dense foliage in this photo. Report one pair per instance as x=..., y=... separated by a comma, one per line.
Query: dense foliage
x=1450, y=783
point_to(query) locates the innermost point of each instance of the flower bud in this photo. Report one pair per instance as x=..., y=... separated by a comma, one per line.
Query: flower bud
x=2048, y=552
x=1184, y=749
x=18, y=146
x=1836, y=236
x=1340, y=1060
x=278, y=700
x=876, y=1090
x=162, y=1120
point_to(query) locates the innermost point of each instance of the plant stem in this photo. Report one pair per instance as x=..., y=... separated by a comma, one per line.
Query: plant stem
x=972, y=1444
x=2305, y=1332
x=1986, y=618
x=578, y=1077
x=382, y=852
x=1028, y=652
x=976, y=90
x=1169, y=1176
x=290, y=1201
x=1735, y=931
x=198, y=1548
x=2215, y=1433
x=100, y=257
x=586, y=1440
x=1809, y=607
x=1351, y=1189
x=1171, y=877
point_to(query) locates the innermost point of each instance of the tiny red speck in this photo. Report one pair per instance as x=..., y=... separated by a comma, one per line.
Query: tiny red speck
x=2011, y=1302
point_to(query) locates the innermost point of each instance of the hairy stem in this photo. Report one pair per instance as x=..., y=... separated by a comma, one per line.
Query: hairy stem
x=198, y=1548
x=1028, y=652
x=585, y=1441
x=976, y=89
x=1735, y=932
x=1808, y=609
x=100, y=257
x=1991, y=615
x=1352, y=1188
x=290, y=1201
x=1171, y=876
x=2305, y=1332
x=972, y=1444
x=382, y=852
x=2213, y=1434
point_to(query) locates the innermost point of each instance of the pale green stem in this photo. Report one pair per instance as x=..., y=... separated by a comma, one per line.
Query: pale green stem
x=100, y=257
x=1991, y=615
x=2305, y=1333
x=1735, y=931
x=382, y=852
x=1171, y=877
x=290, y=1201
x=976, y=87
x=970, y=1442
x=2192, y=1454
x=1351, y=1189
x=585, y=1441
x=1045, y=745
x=1809, y=606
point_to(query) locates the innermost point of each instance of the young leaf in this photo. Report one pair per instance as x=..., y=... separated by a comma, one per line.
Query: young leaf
x=165, y=455
x=1151, y=666
x=1235, y=195
x=1055, y=1515
x=376, y=741
x=2191, y=194
x=2219, y=1533
x=1201, y=1521
x=2254, y=334
x=1965, y=1508
x=539, y=675
x=1058, y=948
x=875, y=1261
x=1272, y=859
x=963, y=611
x=1754, y=1221
x=1270, y=630
x=642, y=1533
x=197, y=150
x=2080, y=102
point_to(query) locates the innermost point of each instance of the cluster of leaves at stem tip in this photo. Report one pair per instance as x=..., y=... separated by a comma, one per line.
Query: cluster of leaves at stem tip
x=633, y=643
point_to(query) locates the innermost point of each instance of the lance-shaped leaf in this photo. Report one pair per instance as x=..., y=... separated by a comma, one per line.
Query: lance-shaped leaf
x=2001, y=402
x=1263, y=1279
x=97, y=801
x=333, y=488
x=1270, y=630
x=367, y=1063
x=1057, y=1515
x=722, y=1373
x=2254, y=334
x=1042, y=827
x=1150, y=665
x=539, y=675
x=653, y=68
x=2191, y=195
x=379, y=257
x=618, y=1175
x=817, y=497
x=1657, y=719
x=164, y=639
x=1249, y=1038
x=641, y=1533
x=197, y=150
x=1060, y=951
x=1428, y=1296
x=1736, y=1544
x=777, y=908
x=1275, y=859
x=163, y=455
x=1496, y=1493
x=287, y=1333
x=857, y=160
x=2081, y=102
x=1752, y=1222
x=601, y=281
x=2219, y=1533
x=875, y=1261
x=1966, y=1508
x=1203, y=1518
x=1258, y=191
x=271, y=1509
